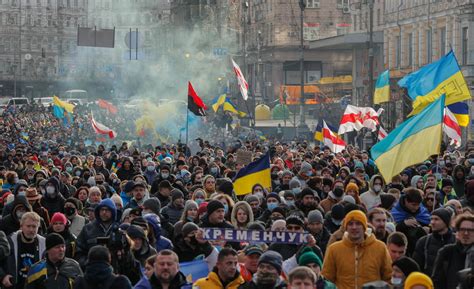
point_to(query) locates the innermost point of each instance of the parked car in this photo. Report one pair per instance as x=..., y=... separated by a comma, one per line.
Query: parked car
x=14, y=101
x=44, y=101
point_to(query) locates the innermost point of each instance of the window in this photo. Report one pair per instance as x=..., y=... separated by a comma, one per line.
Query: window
x=464, y=45
x=429, y=51
x=313, y=4
x=442, y=41
x=410, y=49
x=355, y=21
x=379, y=17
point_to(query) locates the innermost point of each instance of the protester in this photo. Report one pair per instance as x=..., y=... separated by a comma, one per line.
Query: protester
x=268, y=273
x=225, y=274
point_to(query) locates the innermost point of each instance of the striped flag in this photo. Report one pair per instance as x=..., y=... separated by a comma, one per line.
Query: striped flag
x=382, y=133
x=451, y=127
x=102, y=129
x=243, y=85
x=355, y=118
x=334, y=142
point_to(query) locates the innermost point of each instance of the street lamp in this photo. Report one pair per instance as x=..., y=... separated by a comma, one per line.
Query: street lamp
x=302, y=128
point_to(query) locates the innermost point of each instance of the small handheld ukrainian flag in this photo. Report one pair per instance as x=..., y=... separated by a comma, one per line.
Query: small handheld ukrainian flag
x=411, y=142
x=460, y=111
x=382, y=88
x=435, y=79
x=257, y=172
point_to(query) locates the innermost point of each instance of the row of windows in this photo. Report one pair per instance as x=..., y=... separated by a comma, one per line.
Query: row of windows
x=47, y=3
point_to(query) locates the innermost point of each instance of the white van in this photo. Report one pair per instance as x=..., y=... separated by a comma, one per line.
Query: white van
x=44, y=101
x=16, y=101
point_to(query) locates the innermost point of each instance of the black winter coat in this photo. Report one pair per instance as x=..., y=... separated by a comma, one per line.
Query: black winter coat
x=449, y=261
x=427, y=248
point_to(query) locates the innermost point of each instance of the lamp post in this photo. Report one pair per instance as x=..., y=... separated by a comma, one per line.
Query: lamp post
x=370, y=4
x=302, y=128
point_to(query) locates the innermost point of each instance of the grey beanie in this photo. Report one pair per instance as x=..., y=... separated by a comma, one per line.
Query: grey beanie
x=305, y=167
x=190, y=204
x=315, y=216
x=286, y=172
x=188, y=228
x=294, y=183
x=251, y=198
x=349, y=199
x=272, y=258
x=153, y=204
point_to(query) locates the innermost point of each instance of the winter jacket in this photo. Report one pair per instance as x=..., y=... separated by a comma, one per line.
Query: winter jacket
x=88, y=236
x=4, y=246
x=458, y=184
x=172, y=212
x=322, y=239
x=450, y=260
x=253, y=284
x=328, y=203
x=161, y=242
x=350, y=265
x=212, y=281
x=57, y=276
x=370, y=198
x=10, y=223
x=10, y=266
x=99, y=275
x=179, y=282
x=187, y=253
x=427, y=248
x=55, y=204
x=77, y=224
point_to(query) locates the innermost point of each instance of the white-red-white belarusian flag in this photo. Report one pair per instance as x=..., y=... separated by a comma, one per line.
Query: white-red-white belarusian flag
x=382, y=133
x=330, y=139
x=243, y=85
x=451, y=127
x=355, y=118
x=102, y=129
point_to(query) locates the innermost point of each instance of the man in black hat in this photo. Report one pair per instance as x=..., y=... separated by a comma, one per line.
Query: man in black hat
x=428, y=246
x=215, y=217
x=192, y=244
x=55, y=270
x=162, y=190
x=99, y=272
x=268, y=272
x=175, y=208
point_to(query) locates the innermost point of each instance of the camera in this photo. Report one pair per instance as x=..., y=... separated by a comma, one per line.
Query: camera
x=115, y=241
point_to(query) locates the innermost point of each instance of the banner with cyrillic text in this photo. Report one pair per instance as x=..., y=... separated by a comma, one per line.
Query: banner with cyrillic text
x=250, y=236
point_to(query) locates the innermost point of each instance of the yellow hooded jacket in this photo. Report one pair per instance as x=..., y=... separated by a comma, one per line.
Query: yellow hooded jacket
x=350, y=265
x=212, y=281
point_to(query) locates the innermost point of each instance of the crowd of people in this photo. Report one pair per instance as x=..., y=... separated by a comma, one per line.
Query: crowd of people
x=108, y=216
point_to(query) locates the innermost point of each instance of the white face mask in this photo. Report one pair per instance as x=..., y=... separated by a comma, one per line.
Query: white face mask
x=397, y=281
x=50, y=190
x=377, y=188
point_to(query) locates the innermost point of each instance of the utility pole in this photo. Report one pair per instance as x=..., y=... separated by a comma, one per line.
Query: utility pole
x=302, y=128
x=370, y=4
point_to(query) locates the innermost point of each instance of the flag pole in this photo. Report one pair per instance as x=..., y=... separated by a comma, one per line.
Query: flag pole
x=187, y=125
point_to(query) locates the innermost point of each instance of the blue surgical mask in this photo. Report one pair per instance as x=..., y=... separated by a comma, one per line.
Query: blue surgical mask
x=272, y=206
x=199, y=201
x=296, y=190
x=290, y=203
x=226, y=208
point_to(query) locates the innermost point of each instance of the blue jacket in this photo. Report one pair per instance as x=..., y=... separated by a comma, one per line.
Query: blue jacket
x=400, y=213
x=161, y=242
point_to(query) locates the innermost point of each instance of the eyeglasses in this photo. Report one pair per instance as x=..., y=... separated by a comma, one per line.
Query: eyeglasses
x=291, y=227
x=466, y=230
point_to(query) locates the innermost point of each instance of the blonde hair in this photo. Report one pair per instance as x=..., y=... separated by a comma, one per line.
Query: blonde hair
x=30, y=216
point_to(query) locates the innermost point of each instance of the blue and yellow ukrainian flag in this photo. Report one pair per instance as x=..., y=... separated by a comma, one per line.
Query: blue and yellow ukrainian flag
x=431, y=81
x=227, y=105
x=63, y=104
x=318, y=133
x=382, y=88
x=257, y=172
x=38, y=270
x=461, y=111
x=411, y=142
x=194, y=270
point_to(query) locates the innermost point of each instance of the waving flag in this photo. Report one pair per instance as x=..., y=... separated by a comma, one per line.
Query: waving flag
x=435, y=79
x=257, y=172
x=69, y=107
x=330, y=139
x=411, y=142
x=195, y=103
x=382, y=133
x=108, y=106
x=218, y=101
x=451, y=127
x=460, y=111
x=382, y=88
x=318, y=134
x=243, y=85
x=102, y=129
x=355, y=118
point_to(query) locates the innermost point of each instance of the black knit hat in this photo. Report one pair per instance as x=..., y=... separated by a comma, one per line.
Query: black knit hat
x=407, y=265
x=53, y=240
x=76, y=202
x=176, y=194
x=188, y=228
x=226, y=187
x=136, y=232
x=444, y=215
x=152, y=204
x=446, y=183
x=272, y=258
x=213, y=206
x=98, y=253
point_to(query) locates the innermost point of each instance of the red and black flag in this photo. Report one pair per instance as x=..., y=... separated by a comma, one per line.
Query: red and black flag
x=195, y=103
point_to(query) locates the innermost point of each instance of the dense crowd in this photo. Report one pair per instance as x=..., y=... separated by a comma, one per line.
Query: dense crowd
x=107, y=216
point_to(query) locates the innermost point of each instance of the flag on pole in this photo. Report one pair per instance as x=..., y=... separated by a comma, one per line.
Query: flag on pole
x=102, y=129
x=355, y=118
x=330, y=139
x=318, y=133
x=460, y=110
x=382, y=88
x=243, y=85
x=257, y=172
x=108, y=106
x=435, y=79
x=382, y=133
x=451, y=127
x=69, y=107
x=195, y=103
x=412, y=142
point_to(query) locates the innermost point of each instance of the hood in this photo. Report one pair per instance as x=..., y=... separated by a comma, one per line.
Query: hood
x=372, y=179
x=414, y=180
x=20, y=184
x=19, y=201
x=154, y=221
x=55, y=182
x=108, y=203
x=246, y=207
x=458, y=168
